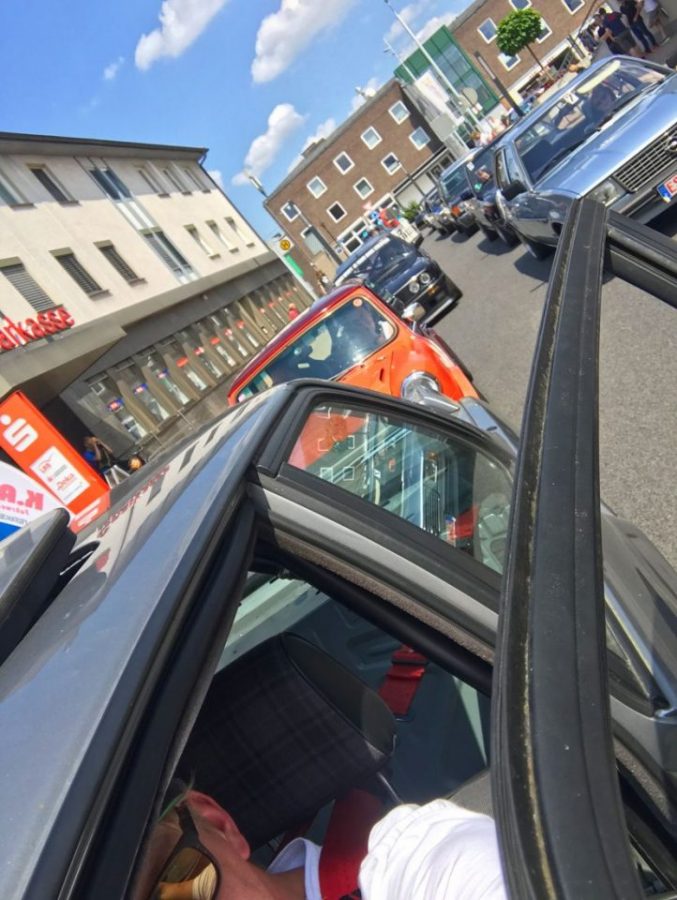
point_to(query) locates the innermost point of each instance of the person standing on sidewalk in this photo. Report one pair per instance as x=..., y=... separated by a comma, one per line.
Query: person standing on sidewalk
x=652, y=9
x=633, y=16
x=613, y=29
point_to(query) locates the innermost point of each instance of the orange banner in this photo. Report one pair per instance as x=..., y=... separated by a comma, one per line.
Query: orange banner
x=38, y=448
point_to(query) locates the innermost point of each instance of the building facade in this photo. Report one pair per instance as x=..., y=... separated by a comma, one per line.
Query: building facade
x=131, y=289
x=475, y=31
x=380, y=155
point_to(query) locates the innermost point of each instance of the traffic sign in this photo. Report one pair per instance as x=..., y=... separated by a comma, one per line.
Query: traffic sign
x=285, y=244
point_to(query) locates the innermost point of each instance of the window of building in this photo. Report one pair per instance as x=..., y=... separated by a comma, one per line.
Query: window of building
x=546, y=31
x=391, y=163
x=50, y=184
x=312, y=240
x=110, y=184
x=573, y=5
x=419, y=138
x=371, y=137
x=508, y=62
x=173, y=178
x=29, y=289
x=9, y=194
x=353, y=237
x=119, y=264
x=316, y=186
x=219, y=235
x=488, y=30
x=343, y=163
x=151, y=180
x=191, y=176
x=289, y=211
x=399, y=112
x=336, y=211
x=151, y=360
x=170, y=349
x=109, y=394
x=131, y=376
x=170, y=256
x=520, y=4
x=363, y=188
x=71, y=264
x=200, y=241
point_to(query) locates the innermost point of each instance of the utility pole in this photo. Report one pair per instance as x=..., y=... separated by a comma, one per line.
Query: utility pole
x=461, y=106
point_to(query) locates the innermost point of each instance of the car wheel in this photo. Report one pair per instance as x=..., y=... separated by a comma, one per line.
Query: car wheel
x=488, y=233
x=538, y=251
x=507, y=235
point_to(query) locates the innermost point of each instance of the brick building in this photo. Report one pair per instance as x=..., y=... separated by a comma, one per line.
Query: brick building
x=383, y=153
x=475, y=30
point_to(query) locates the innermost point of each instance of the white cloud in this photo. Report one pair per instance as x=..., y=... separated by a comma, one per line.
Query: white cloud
x=181, y=22
x=215, y=175
x=322, y=131
x=285, y=34
x=409, y=14
x=369, y=88
x=111, y=71
x=432, y=25
x=283, y=121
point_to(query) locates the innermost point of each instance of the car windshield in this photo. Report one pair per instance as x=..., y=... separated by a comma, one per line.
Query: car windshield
x=478, y=172
x=580, y=113
x=351, y=333
x=454, y=182
x=376, y=262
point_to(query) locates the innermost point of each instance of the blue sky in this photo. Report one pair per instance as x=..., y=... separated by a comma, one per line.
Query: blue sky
x=253, y=80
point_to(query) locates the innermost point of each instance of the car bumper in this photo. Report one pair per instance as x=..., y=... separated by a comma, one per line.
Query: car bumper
x=466, y=220
x=442, y=291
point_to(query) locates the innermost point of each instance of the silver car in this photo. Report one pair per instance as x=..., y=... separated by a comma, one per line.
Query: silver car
x=610, y=134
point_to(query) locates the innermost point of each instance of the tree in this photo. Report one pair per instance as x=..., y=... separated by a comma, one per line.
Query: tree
x=518, y=31
x=412, y=211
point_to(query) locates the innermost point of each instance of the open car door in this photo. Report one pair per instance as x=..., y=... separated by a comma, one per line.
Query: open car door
x=555, y=783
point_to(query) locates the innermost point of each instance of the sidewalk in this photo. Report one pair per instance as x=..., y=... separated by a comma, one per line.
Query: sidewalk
x=667, y=53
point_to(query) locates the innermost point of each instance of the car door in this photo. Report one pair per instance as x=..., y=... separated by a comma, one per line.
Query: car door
x=518, y=208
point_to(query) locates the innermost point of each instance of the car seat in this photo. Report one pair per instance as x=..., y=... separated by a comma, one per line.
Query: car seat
x=284, y=730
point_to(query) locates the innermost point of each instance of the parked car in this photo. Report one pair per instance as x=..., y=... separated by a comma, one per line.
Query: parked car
x=479, y=172
x=233, y=613
x=353, y=337
x=609, y=134
x=457, y=194
x=400, y=273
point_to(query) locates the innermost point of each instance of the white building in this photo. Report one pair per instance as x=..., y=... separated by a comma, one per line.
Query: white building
x=130, y=287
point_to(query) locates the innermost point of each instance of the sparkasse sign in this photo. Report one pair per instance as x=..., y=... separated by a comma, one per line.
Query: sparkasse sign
x=18, y=334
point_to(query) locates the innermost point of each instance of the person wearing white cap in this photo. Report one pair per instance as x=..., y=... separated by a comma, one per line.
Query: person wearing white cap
x=438, y=850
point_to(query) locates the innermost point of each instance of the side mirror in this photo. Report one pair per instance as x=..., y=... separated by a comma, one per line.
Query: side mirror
x=413, y=313
x=512, y=190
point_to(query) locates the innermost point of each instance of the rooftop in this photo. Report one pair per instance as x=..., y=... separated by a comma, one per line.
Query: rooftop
x=54, y=145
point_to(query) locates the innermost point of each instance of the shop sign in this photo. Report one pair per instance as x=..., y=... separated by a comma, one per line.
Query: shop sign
x=21, y=500
x=18, y=334
x=41, y=451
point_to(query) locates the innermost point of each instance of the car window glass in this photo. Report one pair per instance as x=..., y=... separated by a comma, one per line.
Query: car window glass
x=347, y=336
x=454, y=182
x=501, y=172
x=444, y=486
x=578, y=113
x=512, y=171
x=479, y=173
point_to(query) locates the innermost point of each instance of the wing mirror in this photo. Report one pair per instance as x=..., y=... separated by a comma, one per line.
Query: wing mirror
x=413, y=313
x=514, y=189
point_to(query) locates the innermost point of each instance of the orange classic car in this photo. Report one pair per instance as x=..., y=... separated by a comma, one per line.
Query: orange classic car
x=353, y=337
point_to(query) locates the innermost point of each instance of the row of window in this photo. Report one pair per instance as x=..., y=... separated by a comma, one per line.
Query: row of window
x=162, y=180
x=151, y=388
x=157, y=240
x=488, y=28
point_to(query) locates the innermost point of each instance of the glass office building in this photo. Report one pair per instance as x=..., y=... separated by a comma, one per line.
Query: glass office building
x=455, y=65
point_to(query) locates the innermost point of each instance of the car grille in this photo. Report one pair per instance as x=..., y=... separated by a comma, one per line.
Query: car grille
x=647, y=164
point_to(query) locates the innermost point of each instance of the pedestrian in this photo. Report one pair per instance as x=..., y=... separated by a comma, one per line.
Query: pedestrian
x=631, y=11
x=652, y=10
x=613, y=28
x=134, y=463
x=292, y=311
x=98, y=455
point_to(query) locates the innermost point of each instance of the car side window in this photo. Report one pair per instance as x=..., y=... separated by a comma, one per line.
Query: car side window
x=512, y=170
x=502, y=178
x=442, y=485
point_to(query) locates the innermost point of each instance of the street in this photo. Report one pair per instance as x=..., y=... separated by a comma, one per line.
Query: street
x=494, y=329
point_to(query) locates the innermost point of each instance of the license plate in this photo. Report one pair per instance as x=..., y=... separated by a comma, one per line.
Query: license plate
x=668, y=189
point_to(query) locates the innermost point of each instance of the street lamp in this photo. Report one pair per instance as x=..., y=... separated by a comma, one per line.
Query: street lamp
x=410, y=177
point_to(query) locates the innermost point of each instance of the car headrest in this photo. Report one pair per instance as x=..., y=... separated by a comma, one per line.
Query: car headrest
x=282, y=731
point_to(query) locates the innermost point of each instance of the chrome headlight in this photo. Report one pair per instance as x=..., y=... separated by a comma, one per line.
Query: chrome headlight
x=607, y=192
x=418, y=383
x=425, y=278
x=414, y=287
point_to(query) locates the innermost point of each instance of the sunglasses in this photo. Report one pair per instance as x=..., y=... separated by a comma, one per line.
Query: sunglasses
x=189, y=861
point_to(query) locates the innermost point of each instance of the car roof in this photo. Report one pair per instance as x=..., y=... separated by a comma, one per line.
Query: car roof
x=366, y=246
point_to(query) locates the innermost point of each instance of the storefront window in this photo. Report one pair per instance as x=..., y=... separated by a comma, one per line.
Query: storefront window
x=158, y=367
x=135, y=380
x=215, y=327
x=192, y=342
x=107, y=392
x=176, y=352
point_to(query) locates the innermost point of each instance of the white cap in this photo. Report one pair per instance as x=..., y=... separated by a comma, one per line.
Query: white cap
x=439, y=850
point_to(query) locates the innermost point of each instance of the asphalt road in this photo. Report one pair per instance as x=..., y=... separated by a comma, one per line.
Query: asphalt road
x=494, y=328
